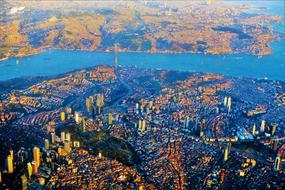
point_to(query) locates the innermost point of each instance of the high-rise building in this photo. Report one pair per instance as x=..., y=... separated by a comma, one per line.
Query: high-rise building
x=229, y=104
x=137, y=108
x=37, y=156
x=273, y=129
x=22, y=155
x=110, y=119
x=186, y=122
x=46, y=144
x=100, y=102
x=77, y=117
x=91, y=99
x=62, y=136
x=68, y=138
x=35, y=167
x=10, y=167
x=52, y=137
x=229, y=147
x=30, y=169
x=254, y=129
x=12, y=154
x=88, y=104
x=143, y=127
x=67, y=148
x=140, y=124
x=262, y=127
x=277, y=163
x=62, y=116
x=226, y=155
x=225, y=101
x=83, y=124
x=24, y=182
x=227, y=151
x=141, y=108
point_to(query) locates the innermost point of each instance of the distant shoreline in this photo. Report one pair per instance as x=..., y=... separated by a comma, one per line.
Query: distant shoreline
x=128, y=51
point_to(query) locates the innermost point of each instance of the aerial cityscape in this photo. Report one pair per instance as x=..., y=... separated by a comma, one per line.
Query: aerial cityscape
x=142, y=95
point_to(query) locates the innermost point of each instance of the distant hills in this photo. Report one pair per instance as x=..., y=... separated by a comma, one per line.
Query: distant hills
x=29, y=27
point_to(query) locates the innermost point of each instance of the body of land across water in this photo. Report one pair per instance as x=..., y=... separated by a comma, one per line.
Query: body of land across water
x=53, y=62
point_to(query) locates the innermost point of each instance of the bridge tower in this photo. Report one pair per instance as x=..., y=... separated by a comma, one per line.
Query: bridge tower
x=116, y=57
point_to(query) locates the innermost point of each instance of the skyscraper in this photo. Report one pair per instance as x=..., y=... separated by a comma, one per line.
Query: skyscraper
x=46, y=144
x=100, y=102
x=37, y=156
x=30, y=169
x=186, y=122
x=83, y=124
x=68, y=138
x=67, y=147
x=262, y=127
x=52, y=137
x=110, y=119
x=12, y=154
x=143, y=125
x=62, y=116
x=24, y=182
x=273, y=129
x=140, y=124
x=62, y=136
x=229, y=104
x=137, y=108
x=9, y=162
x=22, y=155
x=77, y=117
x=35, y=167
x=277, y=163
x=225, y=101
x=254, y=129
x=227, y=151
x=88, y=104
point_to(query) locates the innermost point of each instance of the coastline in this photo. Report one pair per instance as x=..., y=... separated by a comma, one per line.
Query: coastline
x=129, y=51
